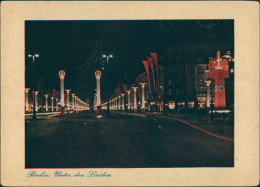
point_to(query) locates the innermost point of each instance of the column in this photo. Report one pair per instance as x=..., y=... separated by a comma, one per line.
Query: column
x=46, y=102
x=128, y=100
x=72, y=101
x=143, y=96
x=27, y=99
x=98, y=77
x=76, y=103
x=52, y=104
x=57, y=106
x=116, y=103
x=68, y=99
x=208, y=92
x=36, y=101
x=123, y=101
x=62, y=76
x=135, y=99
x=119, y=103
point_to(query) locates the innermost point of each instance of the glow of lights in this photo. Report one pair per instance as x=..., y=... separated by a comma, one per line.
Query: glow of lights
x=30, y=55
x=111, y=56
x=231, y=70
x=99, y=116
x=37, y=55
x=104, y=56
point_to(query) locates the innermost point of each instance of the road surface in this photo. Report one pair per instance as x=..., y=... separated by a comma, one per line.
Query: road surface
x=121, y=141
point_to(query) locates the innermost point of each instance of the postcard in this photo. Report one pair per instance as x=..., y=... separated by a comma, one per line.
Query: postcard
x=127, y=93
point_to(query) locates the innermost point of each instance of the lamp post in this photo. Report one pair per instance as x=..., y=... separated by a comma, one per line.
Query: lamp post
x=107, y=60
x=33, y=58
x=62, y=76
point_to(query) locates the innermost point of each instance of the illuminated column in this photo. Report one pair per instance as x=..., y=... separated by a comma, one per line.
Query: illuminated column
x=72, y=101
x=135, y=99
x=98, y=76
x=52, y=104
x=46, y=102
x=128, y=100
x=62, y=76
x=57, y=106
x=36, y=100
x=115, y=103
x=208, y=92
x=76, y=103
x=26, y=99
x=123, y=102
x=119, y=102
x=143, y=98
x=68, y=99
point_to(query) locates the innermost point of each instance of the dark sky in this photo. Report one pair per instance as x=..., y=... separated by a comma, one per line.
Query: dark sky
x=77, y=48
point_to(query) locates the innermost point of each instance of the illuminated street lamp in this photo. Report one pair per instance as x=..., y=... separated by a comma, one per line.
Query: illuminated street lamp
x=107, y=57
x=107, y=98
x=33, y=58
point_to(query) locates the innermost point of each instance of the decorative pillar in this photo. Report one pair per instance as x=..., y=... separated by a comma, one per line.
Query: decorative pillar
x=36, y=100
x=46, y=102
x=135, y=99
x=208, y=92
x=62, y=76
x=98, y=77
x=52, y=104
x=128, y=100
x=72, y=101
x=76, y=103
x=119, y=103
x=123, y=101
x=57, y=106
x=68, y=99
x=143, y=97
x=27, y=99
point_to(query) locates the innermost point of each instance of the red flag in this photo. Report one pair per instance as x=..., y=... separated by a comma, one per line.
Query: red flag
x=150, y=60
x=154, y=56
x=147, y=71
x=125, y=87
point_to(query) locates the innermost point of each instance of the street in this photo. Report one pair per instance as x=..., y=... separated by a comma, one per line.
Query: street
x=121, y=141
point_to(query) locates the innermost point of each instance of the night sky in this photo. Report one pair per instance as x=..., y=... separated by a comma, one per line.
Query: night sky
x=77, y=47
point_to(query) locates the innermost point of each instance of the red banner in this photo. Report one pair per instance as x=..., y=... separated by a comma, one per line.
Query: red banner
x=125, y=87
x=150, y=60
x=154, y=56
x=147, y=71
x=219, y=71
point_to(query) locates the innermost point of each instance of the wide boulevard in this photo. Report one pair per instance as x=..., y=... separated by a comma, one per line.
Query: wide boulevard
x=121, y=141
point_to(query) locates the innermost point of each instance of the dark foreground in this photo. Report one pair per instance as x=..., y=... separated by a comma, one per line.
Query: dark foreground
x=88, y=141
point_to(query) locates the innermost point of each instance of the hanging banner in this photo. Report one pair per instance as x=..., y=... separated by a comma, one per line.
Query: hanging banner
x=150, y=60
x=218, y=70
x=154, y=56
x=125, y=87
x=147, y=71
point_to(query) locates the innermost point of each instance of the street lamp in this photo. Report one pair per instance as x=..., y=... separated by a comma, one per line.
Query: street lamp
x=33, y=57
x=107, y=57
x=107, y=98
